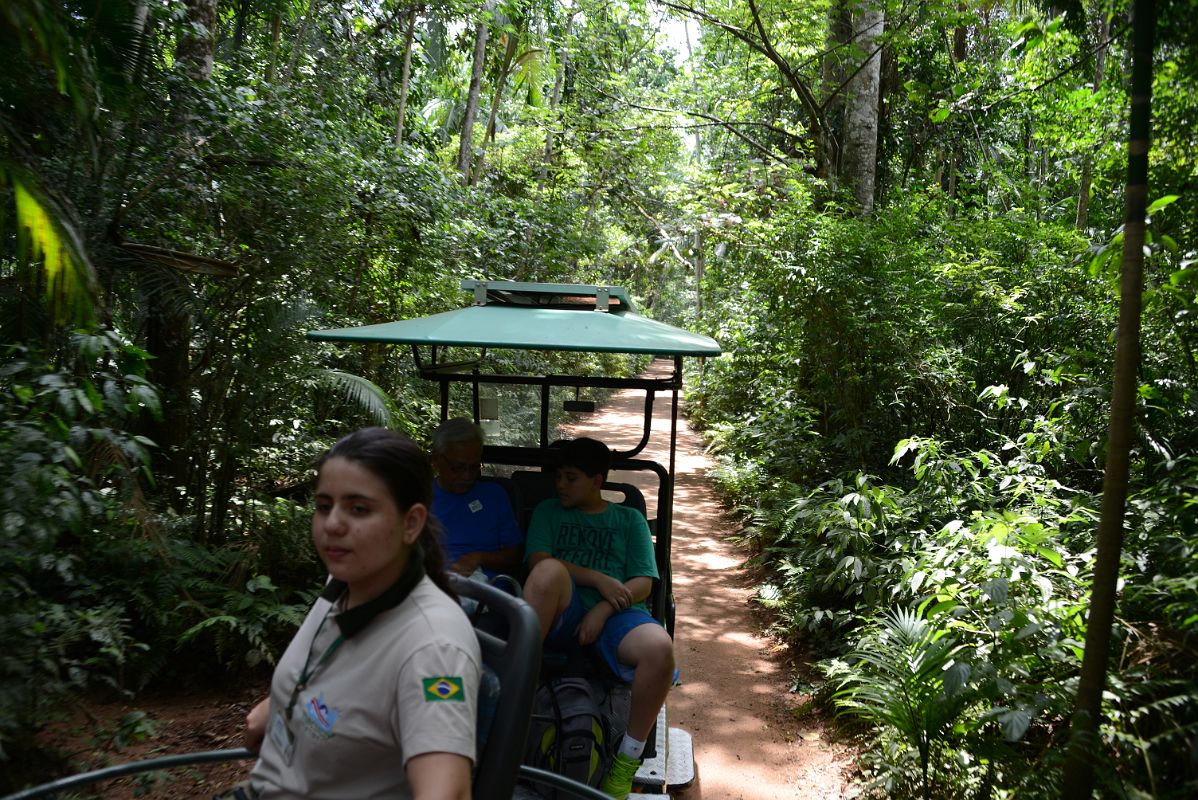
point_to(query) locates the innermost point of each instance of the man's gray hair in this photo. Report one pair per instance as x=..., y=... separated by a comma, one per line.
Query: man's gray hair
x=457, y=429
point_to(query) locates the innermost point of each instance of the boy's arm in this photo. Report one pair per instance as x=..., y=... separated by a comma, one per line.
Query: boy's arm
x=609, y=588
x=591, y=625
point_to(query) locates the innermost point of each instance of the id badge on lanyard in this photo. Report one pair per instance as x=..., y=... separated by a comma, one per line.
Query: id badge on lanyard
x=282, y=737
x=280, y=729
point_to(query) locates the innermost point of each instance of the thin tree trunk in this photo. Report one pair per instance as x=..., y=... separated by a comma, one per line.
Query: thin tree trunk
x=860, y=155
x=1078, y=776
x=959, y=38
x=833, y=69
x=298, y=48
x=555, y=99
x=405, y=78
x=276, y=23
x=509, y=52
x=168, y=317
x=466, y=143
x=1103, y=28
x=697, y=153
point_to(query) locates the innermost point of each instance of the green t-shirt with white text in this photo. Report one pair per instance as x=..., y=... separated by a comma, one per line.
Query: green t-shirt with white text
x=615, y=541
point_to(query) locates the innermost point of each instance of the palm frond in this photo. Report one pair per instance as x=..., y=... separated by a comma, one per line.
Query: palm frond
x=45, y=235
x=361, y=392
x=908, y=676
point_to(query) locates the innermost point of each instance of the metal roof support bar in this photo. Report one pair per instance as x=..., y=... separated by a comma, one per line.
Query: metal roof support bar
x=573, y=381
x=545, y=414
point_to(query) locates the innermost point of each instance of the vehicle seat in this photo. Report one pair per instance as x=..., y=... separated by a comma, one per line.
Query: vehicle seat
x=505, y=708
x=533, y=487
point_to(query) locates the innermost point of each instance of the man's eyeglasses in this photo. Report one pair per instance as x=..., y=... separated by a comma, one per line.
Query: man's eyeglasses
x=461, y=467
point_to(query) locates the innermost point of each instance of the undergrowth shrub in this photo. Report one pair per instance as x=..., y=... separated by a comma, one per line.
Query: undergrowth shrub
x=68, y=480
x=96, y=589
x=988, y=551
x=844, y=335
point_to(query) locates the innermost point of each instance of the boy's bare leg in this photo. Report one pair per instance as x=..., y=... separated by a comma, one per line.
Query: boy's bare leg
x=548, y=590
x=650, y=651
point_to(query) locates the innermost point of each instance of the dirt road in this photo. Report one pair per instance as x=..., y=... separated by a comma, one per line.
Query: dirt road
x=734, y=696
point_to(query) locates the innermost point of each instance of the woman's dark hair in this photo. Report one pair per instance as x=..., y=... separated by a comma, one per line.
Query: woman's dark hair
x=404, y=469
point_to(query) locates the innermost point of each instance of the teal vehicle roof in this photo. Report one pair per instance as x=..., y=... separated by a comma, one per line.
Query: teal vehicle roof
x=536, y=316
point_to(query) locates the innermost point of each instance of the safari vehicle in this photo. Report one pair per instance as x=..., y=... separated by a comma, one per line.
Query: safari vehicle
x=540, y=317
x=451, y=349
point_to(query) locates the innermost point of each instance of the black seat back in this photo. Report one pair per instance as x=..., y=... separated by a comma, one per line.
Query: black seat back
x=516, y=662
x=532, y=487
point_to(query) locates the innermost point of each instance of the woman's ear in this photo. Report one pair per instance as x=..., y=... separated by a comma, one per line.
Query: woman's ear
x=413, y=522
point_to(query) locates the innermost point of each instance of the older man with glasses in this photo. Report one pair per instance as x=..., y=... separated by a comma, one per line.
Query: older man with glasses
x=481, y=533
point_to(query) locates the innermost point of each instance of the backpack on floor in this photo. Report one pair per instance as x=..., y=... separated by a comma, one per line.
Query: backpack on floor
x=569, y=734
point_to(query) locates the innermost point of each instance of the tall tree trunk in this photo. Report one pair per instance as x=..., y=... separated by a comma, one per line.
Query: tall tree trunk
x=697, y=152
x=559, y=78
x=1102, y=32
x=276, y=24
x=168, y=317
x=196, y=45
x=405, y=78
x=297, y=48
x=860, y=155
x=1078, y=777
x=509, y=52
x=959, y=38
x=834, y=69
x=466, y=143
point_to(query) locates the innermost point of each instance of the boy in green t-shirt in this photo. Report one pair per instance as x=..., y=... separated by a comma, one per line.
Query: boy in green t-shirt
x=591, y=567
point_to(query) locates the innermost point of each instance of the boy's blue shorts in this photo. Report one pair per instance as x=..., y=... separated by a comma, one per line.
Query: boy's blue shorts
x=608, y=644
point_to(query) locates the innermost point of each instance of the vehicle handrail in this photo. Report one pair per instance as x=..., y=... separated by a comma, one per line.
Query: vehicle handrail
x=561, y=782
x=132, y=768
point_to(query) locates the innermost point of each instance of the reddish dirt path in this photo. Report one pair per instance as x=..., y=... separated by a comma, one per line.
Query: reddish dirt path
x=734, y=696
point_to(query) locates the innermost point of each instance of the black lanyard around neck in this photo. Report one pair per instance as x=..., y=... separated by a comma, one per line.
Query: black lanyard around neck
x=353, y=620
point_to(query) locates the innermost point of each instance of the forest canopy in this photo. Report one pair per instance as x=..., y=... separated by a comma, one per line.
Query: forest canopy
x=903, y=221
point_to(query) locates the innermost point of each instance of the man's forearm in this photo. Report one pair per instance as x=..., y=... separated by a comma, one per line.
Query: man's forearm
x=506, y=560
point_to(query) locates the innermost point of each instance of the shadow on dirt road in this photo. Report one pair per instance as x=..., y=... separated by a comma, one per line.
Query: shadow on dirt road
x=733, y=696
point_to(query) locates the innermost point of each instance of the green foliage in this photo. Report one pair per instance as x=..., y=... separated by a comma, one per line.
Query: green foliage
x=852, y=333
x=154, y=499
x=252, y=622
x=70, y=474
x=981, y=347
x=908, y=677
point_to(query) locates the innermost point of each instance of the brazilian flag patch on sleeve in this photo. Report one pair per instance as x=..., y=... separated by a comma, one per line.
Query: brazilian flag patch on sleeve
x=443, y=688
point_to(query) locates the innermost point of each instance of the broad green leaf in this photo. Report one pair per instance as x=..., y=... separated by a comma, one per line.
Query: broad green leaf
x=1014, y=724
x=1162, y=202
x=1051, y=555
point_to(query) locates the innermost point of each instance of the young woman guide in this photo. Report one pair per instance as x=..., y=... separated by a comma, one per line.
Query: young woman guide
x=376, y=694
